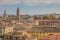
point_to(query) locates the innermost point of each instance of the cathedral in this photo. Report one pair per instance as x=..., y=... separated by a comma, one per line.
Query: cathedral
x=11, y=17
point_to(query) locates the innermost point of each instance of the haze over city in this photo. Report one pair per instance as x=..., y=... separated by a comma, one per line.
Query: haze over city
x=30, y=6
x=29, y=19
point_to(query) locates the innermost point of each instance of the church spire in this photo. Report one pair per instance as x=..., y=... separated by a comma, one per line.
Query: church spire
x=17, y=15
x=4, y=15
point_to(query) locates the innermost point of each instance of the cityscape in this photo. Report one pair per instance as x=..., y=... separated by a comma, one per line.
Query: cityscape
x=29, y=19
x=27, y=27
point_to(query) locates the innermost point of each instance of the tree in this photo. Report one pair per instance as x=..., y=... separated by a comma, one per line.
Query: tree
x=48, y=17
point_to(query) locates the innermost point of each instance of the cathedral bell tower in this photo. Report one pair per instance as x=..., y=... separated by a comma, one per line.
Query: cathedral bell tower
x=17, y=15
x=5, y=15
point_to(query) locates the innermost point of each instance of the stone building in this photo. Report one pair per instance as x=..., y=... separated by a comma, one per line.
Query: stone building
x=39, y=32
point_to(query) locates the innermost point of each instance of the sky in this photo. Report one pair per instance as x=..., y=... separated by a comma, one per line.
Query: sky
x=30, y=7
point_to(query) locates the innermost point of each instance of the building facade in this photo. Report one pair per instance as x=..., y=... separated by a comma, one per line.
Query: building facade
x=39, y=32
x=48, y=23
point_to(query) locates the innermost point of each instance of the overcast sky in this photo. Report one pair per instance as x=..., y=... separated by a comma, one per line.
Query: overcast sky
x=30, y=6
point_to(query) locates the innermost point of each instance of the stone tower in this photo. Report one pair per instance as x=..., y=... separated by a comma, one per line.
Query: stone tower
x=5, y=15
x=17, y=15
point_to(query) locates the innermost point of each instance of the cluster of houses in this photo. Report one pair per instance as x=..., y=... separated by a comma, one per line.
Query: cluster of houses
x=36, y=25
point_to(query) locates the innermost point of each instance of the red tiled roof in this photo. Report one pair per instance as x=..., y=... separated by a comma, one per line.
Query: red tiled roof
x=51, y=37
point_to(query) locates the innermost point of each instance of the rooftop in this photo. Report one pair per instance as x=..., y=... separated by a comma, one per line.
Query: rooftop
x=44, y=29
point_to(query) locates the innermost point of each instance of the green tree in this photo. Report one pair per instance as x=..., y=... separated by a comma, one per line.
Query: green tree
x=48, y=17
